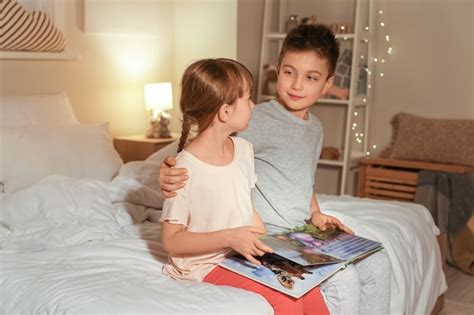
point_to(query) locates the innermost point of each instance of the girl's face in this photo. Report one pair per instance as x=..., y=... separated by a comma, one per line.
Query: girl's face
x=242, y=110
x=302, y=79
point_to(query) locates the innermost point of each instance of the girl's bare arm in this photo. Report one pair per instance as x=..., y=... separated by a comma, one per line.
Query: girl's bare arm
x=178, y=241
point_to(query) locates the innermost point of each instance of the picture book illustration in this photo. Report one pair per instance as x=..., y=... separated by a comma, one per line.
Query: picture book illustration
x=302, y=258
x=307, y=245
x=281, y=274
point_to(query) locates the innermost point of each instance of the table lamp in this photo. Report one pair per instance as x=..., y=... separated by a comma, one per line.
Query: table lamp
x=158, y=99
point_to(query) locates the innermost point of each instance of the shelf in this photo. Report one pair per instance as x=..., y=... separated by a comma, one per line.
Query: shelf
x=354, y=160
x=358, y=41
x=28, y=55
x=332, y=101
x=331, y=162
x=266, y=97
x=282, y=36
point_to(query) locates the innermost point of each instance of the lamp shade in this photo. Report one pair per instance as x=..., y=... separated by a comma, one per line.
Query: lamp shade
x=158, y=96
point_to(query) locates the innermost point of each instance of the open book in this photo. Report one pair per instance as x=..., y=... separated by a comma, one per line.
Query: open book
x=302, y=258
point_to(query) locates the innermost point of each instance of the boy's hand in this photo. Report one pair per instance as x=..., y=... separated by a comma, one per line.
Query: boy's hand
x=170, y=178
x=324, y=221
x=245, y=240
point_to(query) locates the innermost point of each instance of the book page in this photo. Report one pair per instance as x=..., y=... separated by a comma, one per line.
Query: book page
x=280, y=274
x=307, y=245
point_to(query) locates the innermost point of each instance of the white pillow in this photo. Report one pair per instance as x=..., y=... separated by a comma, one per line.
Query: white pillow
x=29, y=154
x=36, y=110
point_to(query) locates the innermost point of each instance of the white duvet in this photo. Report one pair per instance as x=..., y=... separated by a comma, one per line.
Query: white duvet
x=83, y=247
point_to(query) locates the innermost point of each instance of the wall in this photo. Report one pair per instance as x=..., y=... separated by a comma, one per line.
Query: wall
x=429, y=73
x=203, y=29
x=106, y=84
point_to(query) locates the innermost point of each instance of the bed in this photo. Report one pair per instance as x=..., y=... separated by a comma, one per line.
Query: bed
x=79, y=231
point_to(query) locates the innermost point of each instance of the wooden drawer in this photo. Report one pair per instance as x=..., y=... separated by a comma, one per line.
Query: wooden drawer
x=396, y=179
x=384, y=183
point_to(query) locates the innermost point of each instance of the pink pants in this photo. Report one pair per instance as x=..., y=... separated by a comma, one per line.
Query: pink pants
x=311, y=303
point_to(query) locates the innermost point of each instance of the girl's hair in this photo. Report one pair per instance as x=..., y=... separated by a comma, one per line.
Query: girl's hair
x=207, y=85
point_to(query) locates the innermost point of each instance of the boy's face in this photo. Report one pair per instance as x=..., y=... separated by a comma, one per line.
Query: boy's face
x=302, y=79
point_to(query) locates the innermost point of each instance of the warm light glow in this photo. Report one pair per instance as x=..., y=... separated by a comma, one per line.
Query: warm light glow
x=158, y=96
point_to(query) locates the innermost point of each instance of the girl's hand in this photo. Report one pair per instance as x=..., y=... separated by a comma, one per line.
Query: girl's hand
x=170, y=178
x=323, y=221
x=245, y=240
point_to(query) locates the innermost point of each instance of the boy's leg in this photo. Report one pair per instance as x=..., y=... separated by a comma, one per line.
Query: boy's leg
x=281, y=303
x=375, y=277
x=342, y=292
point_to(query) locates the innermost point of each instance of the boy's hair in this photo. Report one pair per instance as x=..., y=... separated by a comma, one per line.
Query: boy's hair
x=207, y=85
x=315, y=38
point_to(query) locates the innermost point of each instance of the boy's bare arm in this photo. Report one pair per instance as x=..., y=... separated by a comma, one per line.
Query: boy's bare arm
x=171, y=178
x=324, y=221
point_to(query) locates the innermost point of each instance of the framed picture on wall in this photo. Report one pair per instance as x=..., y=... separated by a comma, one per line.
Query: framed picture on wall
x=34, y=29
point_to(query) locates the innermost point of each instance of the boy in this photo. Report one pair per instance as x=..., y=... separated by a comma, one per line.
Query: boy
x=287, y=141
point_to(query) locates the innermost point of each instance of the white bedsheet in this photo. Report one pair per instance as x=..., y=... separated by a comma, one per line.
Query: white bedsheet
x=409, y=234
x=71, y=246
x=67, y=249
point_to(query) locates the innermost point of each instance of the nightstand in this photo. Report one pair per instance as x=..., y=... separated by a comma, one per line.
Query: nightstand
x=139, y=148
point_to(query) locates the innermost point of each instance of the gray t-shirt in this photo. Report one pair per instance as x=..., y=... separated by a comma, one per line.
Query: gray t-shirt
x=286, y=152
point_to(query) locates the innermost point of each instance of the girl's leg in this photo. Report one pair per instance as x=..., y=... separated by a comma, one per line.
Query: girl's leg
x=342, y=292
x=311, y=302
x=282, y=304
x=375, y=277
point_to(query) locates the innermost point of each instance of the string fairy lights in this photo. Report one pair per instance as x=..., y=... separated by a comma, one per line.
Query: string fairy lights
x=377, y=63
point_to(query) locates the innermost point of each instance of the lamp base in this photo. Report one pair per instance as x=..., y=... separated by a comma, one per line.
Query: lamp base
x=159, y=128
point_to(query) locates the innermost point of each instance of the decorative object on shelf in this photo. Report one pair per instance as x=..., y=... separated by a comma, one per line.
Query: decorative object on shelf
x=341, y=28
x=291, y=23
x=25, y=31
x=330, y=153
x=309, y=20
x=270, y=83
x=158, y=99
x=342, y=77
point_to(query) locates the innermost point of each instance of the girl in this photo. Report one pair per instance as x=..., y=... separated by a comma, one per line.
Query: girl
x=213, y=216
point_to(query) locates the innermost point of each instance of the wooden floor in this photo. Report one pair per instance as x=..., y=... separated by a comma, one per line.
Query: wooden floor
x=459, y=298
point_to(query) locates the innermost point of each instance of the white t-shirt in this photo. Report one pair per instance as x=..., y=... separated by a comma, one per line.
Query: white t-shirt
x=214, y=198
